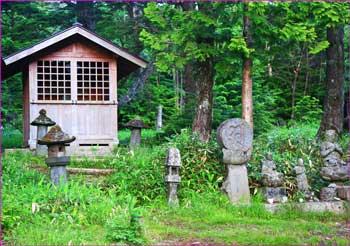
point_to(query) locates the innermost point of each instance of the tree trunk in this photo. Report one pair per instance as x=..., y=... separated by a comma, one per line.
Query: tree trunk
x=203, y=116
x=190, y=86
x=247, y=83
x=294, y=87
x=333, y=114
x=137, y=84
x=85, y=13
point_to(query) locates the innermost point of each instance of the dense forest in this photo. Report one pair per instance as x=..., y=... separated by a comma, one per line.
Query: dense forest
x=283, y=67
x=203, y=53
x=276, y=58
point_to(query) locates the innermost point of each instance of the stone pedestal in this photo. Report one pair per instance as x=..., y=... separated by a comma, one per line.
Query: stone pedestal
x=274, y=194
x=135, y=138
x=236, y=183
x=58, y=171
x=172, y=194
x=58, y=175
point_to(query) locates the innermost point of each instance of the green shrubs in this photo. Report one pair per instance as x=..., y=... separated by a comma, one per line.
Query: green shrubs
x=11, y=138
x=29, y=198
x=201, y=169
x=124, y=225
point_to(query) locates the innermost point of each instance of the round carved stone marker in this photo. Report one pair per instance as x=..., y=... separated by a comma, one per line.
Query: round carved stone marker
x=236, y=138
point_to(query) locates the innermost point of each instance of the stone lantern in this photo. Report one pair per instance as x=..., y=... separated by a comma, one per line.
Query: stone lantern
x=172, y=165
x=42, y=122
x=57, y=160
x=136, y=125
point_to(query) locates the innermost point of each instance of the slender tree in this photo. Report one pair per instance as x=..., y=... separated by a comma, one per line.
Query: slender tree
x=247, y=65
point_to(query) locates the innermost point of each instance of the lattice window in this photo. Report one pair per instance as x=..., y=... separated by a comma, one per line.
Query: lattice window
x=54, y=80
x=93, y=81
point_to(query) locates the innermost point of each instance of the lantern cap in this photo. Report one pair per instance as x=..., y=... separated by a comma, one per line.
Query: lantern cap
x=56, y=136
x=43, y=120
x=136, y=123
x=173, y=158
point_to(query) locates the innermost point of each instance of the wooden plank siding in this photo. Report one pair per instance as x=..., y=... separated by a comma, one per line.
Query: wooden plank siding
x=90, y=122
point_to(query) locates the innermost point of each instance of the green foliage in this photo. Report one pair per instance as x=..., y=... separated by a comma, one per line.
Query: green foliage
x=139, y=172
x=11, y=138
x=201, y=168
x=308, y=109
x=124, y=226
x=30, y=198
x=157, y=91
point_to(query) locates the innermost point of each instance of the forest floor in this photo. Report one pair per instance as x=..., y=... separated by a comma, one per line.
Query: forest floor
x=97, y=210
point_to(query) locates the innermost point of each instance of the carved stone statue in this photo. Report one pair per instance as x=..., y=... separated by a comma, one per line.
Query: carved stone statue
x=270, y=177
x=302, y=182
x=334, y=169
x=272, y=180
x=236, y=139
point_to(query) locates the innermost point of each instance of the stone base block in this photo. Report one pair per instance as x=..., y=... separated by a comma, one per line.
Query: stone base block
x=337, y=207
x=236, y=183
x=274, y=194
x=343, y=192
x=58, y=175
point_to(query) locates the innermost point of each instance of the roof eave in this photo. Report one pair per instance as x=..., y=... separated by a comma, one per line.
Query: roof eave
x=68, y=33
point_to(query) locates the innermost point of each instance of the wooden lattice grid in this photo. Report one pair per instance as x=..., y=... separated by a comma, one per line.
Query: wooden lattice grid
x=54, y=80
x=93, y=81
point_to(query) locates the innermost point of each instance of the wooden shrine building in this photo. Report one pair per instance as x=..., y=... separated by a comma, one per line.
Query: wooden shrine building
x=72, y=75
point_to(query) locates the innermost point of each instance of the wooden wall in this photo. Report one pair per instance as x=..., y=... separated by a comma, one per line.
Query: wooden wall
x=90, y=122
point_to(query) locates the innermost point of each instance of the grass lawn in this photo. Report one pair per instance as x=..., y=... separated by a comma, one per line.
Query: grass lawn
x=98, y=210
x=210, y=222
x=85, y=213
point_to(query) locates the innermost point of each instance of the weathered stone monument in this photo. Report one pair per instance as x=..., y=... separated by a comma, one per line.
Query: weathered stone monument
x=57, y=160
x=159, y=123
x=236, y=139
x=329, y=193
x=302, y=182
x=172, y=179
x=272, y=180
x=334, y=168
x=136, y=125
x=42, y=122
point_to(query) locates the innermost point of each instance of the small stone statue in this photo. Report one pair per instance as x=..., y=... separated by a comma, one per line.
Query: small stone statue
x=302, y=183
x=335, y=169
x=272, y=181
x=270, y=177
x=329, y=193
